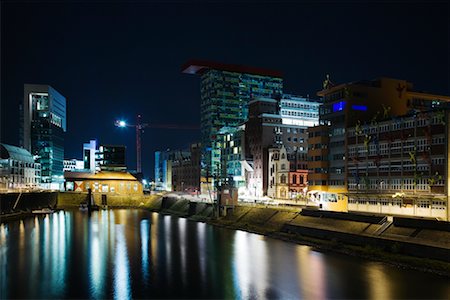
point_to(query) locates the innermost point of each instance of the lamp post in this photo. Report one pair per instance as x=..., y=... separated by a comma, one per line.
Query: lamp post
x=139, y=127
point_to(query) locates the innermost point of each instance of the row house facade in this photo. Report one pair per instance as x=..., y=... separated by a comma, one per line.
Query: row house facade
x=284, y=183
x=399, y=166
x=185, y=169
x=351, y=105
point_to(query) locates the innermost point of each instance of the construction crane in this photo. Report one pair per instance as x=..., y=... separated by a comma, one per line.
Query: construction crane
x=139, y=126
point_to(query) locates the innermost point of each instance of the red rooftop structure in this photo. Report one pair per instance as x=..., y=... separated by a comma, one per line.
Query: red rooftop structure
x=201, y=66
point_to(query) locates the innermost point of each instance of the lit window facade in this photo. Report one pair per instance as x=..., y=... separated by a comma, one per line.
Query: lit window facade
x=44, y=125
x=225, y=93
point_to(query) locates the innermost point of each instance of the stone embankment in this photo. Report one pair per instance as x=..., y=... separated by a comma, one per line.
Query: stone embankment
x=416, y=243
x=412, y=243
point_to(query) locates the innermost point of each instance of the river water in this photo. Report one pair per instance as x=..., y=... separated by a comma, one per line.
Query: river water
x=124, y=254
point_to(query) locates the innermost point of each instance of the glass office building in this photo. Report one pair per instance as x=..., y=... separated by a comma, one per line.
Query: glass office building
x=225, y=92
x=44, y=125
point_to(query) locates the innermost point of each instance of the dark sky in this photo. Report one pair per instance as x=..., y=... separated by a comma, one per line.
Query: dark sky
x=112, y=59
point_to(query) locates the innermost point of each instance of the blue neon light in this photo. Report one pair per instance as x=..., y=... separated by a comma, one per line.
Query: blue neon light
x=339, y=106
x=359, y=107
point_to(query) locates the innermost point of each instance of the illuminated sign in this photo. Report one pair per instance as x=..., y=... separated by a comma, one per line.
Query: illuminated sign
x=359, y=107
x=339, y=106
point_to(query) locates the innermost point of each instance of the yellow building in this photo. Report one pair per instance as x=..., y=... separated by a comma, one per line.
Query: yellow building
x=111, y=183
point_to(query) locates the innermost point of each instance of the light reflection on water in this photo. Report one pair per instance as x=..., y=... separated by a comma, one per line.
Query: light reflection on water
x=182, y=223
x=121, y=267
x=144, y=247
x=126, y=254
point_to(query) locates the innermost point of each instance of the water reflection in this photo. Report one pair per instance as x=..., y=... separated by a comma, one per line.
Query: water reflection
x=98, y=254
x=121, y=271
x=250, y=266
x=310, y=267
x=3, y=260
x=126, y=254
x=382, y=287
x=182, y=223
x=201, y=251
x=144, y=247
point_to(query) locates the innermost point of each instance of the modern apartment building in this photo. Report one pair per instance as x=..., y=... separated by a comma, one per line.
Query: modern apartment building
x=225, y=92
x=44, y=125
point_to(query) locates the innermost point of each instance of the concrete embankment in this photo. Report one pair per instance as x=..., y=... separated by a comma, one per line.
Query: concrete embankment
x=67, y=200
x=420, y=244
x=14, y=206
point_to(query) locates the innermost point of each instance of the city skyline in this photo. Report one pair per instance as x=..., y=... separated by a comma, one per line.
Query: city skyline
x=224, y=150
x=109, y=69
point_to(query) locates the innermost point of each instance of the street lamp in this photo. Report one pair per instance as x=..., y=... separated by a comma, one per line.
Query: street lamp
x=121, y=123
x=139, y=126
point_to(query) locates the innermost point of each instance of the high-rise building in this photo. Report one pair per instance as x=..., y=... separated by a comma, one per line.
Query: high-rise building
x=225, y=92
x=44, y=124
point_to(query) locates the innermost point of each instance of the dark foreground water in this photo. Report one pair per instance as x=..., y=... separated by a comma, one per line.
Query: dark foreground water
x=136, y=254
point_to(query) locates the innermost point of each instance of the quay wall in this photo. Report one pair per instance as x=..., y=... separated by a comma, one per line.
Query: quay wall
x=416, y=242
x=11, y=203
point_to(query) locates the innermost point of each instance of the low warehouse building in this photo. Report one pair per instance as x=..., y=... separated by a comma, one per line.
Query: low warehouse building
x=112, y=183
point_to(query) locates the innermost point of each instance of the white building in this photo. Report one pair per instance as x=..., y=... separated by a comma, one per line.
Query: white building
x=73, y=165
x=299, y=111
x=278, y=177
x=18, y=169
x=89, y=150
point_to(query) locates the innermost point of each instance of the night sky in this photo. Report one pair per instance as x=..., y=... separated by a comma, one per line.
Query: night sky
x=113, y=60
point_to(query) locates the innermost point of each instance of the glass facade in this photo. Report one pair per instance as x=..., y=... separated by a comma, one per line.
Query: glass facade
x=161, y=158
x=224, y=99
x=230, y=141
x=47, y=117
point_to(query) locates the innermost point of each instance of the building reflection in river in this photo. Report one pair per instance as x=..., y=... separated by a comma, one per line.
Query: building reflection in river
x=249, y=267
x=310, y=268
x=137, y=254
x=379, y=284
x=121, y=270
x=145, y=224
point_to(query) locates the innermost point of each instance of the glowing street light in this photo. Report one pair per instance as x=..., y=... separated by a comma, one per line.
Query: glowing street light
x=139, y=127
x=121, y=123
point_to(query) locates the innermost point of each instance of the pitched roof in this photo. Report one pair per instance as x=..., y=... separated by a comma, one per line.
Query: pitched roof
x=100, y=176
x=16, y=153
